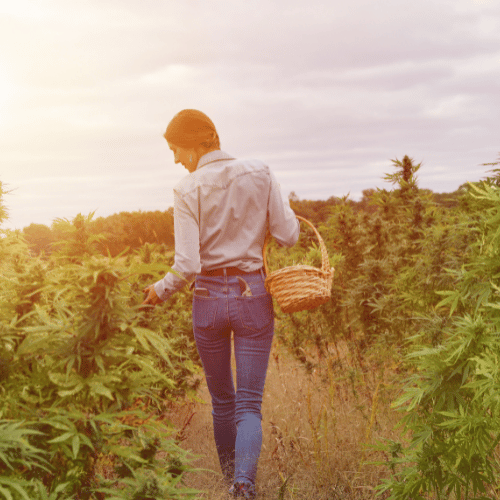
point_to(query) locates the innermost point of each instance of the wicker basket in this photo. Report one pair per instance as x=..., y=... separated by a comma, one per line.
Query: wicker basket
x=300, y=288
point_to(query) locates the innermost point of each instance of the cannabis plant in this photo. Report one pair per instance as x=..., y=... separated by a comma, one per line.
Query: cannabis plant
x=85, y=378
x=451, y=404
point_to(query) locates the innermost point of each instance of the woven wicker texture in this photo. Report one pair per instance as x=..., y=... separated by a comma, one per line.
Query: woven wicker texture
x=300, y=288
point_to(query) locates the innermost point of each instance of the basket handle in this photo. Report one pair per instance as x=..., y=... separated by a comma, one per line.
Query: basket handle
x=325, y=261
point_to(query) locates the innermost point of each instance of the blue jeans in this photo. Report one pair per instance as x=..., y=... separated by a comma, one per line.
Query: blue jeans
x=236, y=414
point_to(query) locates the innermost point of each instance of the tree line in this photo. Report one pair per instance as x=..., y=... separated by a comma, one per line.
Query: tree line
x=129, y=231
x=119, y=233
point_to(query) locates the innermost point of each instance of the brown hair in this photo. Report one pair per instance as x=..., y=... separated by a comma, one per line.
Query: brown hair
x=191, y=128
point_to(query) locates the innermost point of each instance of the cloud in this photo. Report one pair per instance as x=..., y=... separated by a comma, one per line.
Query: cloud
x=326, y=92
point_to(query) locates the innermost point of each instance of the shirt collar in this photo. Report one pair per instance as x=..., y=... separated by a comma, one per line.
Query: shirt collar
x=216, y=155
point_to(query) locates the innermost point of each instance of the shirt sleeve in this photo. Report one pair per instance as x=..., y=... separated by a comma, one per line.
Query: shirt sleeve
x=283, y=224
x=187, y=250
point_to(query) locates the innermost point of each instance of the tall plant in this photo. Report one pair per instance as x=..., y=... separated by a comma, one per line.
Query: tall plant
x=451, y=404
x=87, y=380
x=376, y=247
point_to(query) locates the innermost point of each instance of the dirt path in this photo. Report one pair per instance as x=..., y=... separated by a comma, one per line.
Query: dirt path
x=313, y=431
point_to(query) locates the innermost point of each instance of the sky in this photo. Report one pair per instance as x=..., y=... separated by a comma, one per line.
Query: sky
x=327, y=93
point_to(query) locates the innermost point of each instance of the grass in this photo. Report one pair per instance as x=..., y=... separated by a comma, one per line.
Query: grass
x=317, y=429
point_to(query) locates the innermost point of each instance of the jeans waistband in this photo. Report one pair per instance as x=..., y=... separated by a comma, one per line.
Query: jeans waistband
x=228, y=271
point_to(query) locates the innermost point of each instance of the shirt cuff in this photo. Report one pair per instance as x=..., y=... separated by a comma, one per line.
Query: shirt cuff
x=163, y=294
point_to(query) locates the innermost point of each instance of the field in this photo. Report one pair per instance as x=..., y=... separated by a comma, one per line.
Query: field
x=390, y=390
x=317, y=430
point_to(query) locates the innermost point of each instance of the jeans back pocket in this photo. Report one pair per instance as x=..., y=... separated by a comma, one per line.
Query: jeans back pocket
x=204, y=312
x=255, y=312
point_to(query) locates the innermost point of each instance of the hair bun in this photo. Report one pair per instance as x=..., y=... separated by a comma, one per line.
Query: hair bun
x=191, y=128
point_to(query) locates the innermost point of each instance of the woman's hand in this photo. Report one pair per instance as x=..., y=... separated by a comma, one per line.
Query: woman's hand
x=152, y=299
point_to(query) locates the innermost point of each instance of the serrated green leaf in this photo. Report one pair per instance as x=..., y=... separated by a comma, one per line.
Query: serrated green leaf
x=413, y=393
x=6, y=494
x=97, y=388
x=75, y=444
x=58, y=425
x=99, y=362
x=61, y=487
x=71, y=392
x=140, y=336
x=4, y=459
x=63, y=437
x=13, y=484
x=62, y=380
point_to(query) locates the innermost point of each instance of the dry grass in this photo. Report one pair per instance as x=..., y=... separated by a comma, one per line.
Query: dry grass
x=315, y=430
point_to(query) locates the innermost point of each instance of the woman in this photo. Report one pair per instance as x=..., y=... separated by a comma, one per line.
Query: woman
x=222, y=212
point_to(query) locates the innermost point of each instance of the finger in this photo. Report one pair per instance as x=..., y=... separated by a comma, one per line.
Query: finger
x=151, y=299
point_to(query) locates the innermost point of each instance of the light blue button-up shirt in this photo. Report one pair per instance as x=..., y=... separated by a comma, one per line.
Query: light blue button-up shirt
x=222, y=212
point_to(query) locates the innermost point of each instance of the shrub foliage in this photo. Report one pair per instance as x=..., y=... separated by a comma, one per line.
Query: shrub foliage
x=86, y=373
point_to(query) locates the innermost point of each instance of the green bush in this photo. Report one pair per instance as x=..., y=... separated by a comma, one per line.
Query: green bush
x=86, y=374
x=451, y=404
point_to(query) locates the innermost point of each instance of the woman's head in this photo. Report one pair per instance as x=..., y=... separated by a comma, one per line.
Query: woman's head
x=192, y=129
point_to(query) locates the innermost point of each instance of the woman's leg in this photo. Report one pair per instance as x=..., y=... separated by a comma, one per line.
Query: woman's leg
x=213, y=341
x=252, y=319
